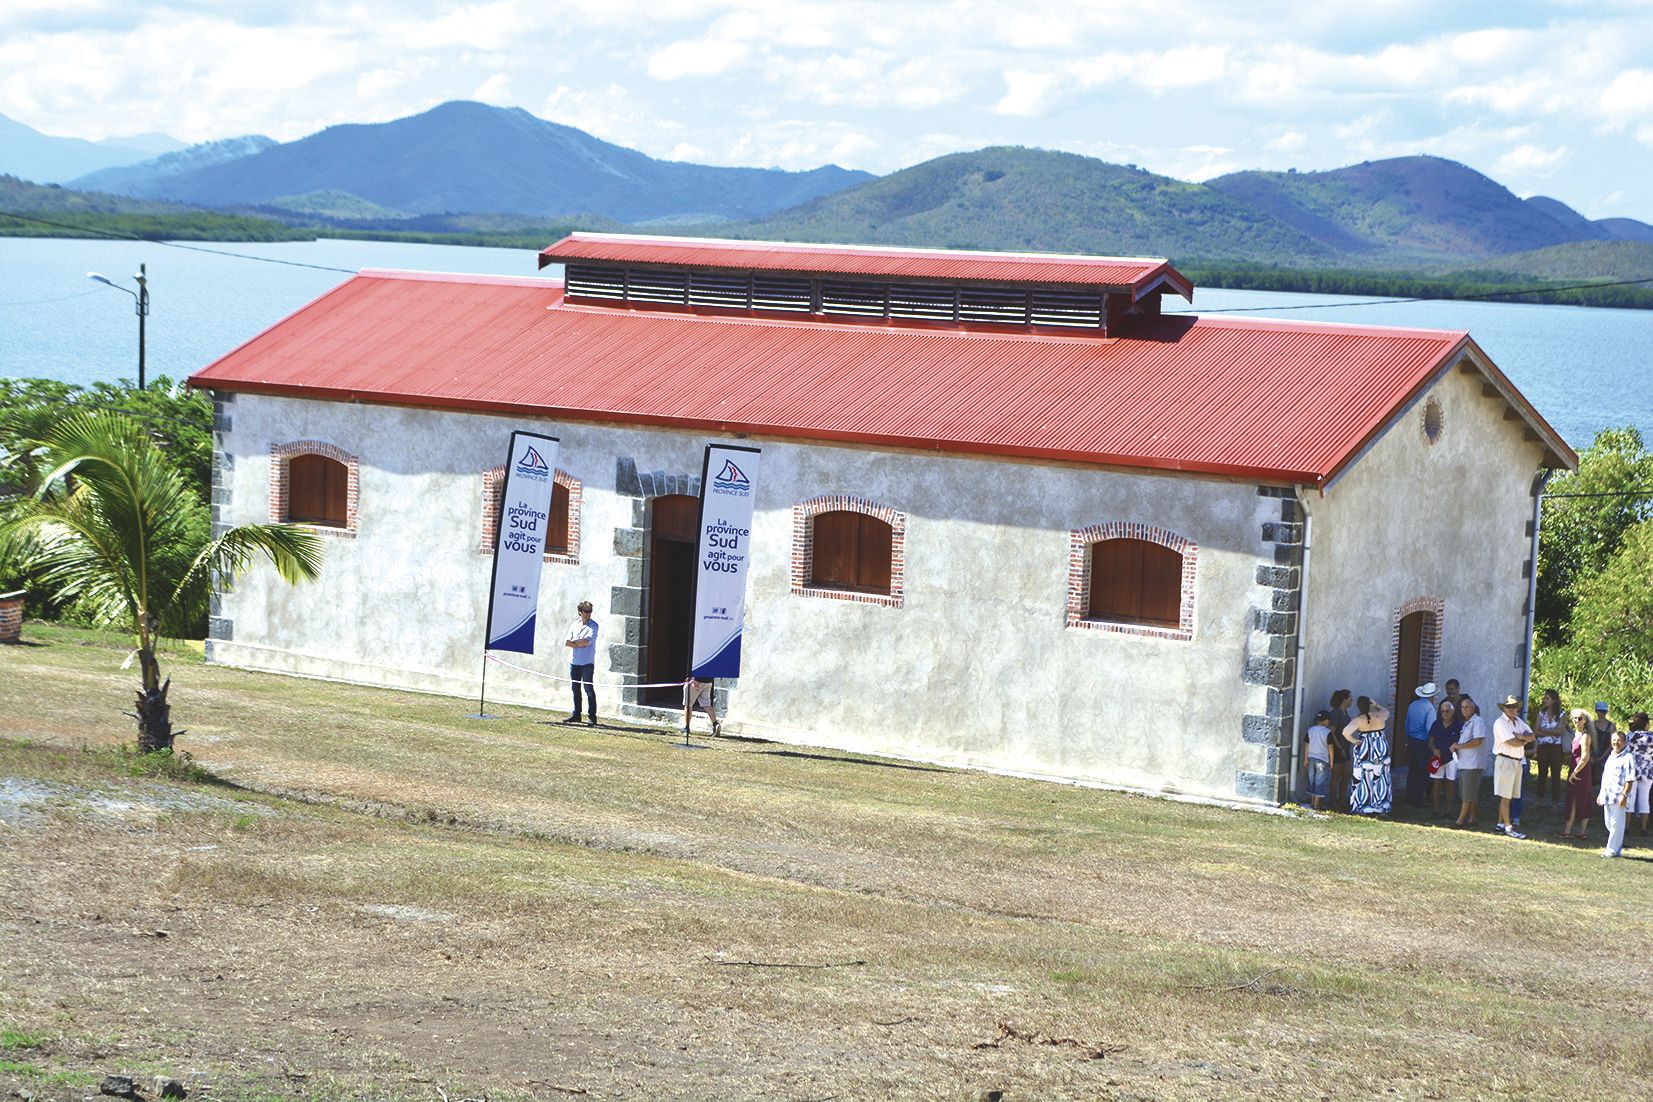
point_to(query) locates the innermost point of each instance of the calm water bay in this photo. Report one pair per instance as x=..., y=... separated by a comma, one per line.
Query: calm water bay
x=1585, y=369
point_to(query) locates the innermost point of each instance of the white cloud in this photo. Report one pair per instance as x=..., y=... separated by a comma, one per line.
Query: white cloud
x=1289, y=142
x=1532, y=160
x=869, y=78
x=1629, y=98
x=610, y=112
x=379, y=84
x=495, y=90
x=1155, y=70
x=1026, y=93
x=1495, y=44
x=697, y=57
x=1509, y=96
x=793, y=145
x=498, y=25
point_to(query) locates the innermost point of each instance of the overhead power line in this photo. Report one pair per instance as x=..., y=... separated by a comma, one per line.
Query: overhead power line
x=118, y=236
x=1420, y=298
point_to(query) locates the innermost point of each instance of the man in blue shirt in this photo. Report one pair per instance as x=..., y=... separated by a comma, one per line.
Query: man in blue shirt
x=1420, y=714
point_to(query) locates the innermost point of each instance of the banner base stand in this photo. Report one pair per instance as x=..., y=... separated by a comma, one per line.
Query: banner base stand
x=482, y=715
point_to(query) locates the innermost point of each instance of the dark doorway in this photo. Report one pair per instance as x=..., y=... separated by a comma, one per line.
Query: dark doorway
x=673, y=519
x=1408, y=676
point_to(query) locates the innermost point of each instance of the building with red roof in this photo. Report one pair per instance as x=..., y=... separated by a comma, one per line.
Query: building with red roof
x=1012, y=514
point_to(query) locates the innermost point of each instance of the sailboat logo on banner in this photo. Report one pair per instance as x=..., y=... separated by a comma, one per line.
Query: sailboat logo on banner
x=731, y=479
x=532, y=464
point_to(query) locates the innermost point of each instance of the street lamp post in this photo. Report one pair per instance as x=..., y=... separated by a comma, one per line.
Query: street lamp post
x=140, y=302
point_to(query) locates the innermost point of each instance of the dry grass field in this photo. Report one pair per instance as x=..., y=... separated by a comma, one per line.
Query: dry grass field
x=369, y=896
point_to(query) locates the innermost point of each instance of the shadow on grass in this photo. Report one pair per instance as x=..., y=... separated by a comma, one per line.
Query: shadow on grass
x=701, y=740
x=839, y=760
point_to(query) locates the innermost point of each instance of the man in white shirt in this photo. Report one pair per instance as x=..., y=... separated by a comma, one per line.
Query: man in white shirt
x=1510, y=736
x=582, y=662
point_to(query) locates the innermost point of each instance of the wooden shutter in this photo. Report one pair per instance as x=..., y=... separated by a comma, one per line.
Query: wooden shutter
x=1135, y=581
x=833, y=553
x=556, y=537
x=317, y=491
x=872, y=563
x=851, y=551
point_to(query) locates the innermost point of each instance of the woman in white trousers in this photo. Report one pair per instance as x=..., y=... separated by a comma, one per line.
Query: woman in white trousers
x=1618, y=777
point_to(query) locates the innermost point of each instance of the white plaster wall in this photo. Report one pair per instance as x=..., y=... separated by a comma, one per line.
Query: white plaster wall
x=403, y=603
x=1411, y=520
x=978, y=667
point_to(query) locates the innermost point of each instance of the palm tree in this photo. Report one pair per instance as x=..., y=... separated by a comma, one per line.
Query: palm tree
x=113, y=527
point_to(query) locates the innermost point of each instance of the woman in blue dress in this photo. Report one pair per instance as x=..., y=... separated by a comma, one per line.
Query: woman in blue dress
x=1370, y=793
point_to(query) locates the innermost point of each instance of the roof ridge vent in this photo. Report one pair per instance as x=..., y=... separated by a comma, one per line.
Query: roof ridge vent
x=1079, y=308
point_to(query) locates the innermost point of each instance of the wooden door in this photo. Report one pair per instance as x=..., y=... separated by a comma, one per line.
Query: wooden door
x=1408, y=676
x=673, y=519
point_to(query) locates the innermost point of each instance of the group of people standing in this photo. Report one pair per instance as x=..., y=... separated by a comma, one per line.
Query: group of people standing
x=1450, y=747
x=1601, y=761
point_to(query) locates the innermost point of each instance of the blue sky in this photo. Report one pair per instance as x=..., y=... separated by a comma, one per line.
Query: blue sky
x=1548, y=98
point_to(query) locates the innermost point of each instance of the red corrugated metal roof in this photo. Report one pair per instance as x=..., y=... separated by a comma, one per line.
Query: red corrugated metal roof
x=1273, y=400
x=1123, y=273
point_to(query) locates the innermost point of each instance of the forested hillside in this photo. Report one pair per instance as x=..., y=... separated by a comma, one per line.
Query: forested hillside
x=1013, y=198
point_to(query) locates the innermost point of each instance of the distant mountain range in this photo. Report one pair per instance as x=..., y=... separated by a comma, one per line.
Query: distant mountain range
x=469, y=157
x=468, y=168
x=1405, y=212
x=27, y=153
x=148, y=177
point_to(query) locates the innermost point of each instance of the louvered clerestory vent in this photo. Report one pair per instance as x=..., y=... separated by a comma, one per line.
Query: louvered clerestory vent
x=937, y=302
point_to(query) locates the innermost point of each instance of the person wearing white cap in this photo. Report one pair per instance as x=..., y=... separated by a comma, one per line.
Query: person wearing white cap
x=1420, y=714
x=1603, y=729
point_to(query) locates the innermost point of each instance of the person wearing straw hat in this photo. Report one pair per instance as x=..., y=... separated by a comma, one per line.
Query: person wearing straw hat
x=1420, y=714
x=582, y=662
x=1510, y=737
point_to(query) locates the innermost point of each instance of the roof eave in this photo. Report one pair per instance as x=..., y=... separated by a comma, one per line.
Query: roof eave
x=1557, y=451
x=711, y=424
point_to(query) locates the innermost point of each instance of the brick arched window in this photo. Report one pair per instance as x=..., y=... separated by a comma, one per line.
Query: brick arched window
x=562, y=540
x=315, y=484
x=1132, y=578
x=848, y=548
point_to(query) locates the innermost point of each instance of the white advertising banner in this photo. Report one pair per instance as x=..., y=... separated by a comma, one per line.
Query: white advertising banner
x=519, y=543
x=726, y=485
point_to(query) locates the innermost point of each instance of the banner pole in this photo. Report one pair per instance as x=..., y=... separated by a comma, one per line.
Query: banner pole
x=527, y=504
x=482, y=694
x=688, y=714
x=694, y=595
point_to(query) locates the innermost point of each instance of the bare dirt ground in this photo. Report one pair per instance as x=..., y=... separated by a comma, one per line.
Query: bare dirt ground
x=388, y=901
